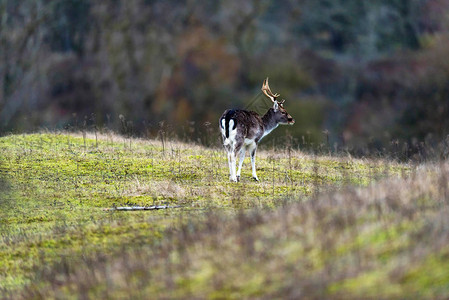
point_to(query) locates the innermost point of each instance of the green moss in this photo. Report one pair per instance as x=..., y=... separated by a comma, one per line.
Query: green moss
x=372, y=284
x=430, y=277
x=427, y=279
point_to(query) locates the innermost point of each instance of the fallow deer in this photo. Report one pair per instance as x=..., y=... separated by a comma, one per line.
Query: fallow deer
x=243, y=129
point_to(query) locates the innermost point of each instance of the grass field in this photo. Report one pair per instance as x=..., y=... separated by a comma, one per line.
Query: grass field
x=314, y=227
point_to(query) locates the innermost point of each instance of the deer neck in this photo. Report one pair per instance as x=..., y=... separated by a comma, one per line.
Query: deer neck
x=269, y=121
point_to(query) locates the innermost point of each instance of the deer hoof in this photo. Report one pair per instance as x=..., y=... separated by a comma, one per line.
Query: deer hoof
x=256, y=179
x=238, y=178
x=233, y=179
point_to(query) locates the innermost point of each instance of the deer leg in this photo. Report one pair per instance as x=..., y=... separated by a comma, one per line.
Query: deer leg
x=231, y=161
x=252, y=150
x=230, y=164
x=236, y=149
x=233, y=176
x=241, y=159
x=231, y=158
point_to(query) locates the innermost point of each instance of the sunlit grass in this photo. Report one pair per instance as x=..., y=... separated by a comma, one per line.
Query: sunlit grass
x=59, y=185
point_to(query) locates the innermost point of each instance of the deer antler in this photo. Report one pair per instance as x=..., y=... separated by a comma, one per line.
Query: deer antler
x=266, y=90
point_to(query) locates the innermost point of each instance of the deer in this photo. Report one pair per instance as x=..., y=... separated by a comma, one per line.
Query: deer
x=243, y=130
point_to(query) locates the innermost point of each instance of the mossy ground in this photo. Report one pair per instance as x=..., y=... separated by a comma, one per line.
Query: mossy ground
x=56, y=187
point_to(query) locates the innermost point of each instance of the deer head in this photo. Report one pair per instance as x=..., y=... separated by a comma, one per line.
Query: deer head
x=281, y=115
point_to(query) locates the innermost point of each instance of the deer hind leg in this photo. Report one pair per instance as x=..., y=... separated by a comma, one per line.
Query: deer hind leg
x=231, y=162
x=233, y=176
x=252, y=151
x=236, y=149
x=241, y=159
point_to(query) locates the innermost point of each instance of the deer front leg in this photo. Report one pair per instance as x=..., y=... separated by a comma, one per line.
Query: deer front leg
x=241, y=159
x=252, y=150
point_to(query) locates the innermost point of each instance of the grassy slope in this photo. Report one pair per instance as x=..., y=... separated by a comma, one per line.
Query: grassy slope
x=56, y=234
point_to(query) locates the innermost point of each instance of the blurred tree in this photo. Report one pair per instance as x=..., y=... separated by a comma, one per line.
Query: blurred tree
x=68, y=25
x=368, y=71
x=363, y=28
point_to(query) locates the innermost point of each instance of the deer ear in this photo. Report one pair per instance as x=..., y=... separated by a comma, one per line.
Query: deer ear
x=275, y=106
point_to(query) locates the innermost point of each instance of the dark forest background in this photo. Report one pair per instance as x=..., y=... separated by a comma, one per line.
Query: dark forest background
x=355, y=74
